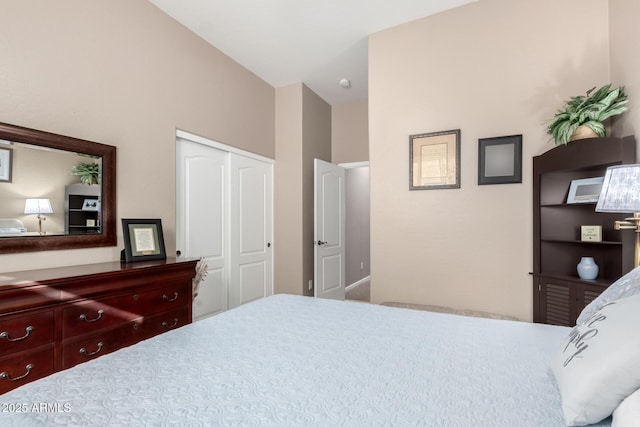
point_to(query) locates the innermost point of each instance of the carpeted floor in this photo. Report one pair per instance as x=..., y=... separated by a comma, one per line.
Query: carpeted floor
x=363, y=293
x=440, y=309
x=360, y=293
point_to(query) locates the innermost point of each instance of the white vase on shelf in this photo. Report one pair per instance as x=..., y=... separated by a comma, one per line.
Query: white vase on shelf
x=587, y=268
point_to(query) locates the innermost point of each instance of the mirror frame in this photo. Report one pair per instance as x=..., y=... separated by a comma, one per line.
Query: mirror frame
x=73, y=241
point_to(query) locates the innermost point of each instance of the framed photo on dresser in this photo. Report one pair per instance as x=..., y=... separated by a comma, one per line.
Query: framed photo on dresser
x=143, y=240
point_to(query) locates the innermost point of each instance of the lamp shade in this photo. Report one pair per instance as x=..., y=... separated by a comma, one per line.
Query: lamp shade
x=37, y=206
x=620, y=190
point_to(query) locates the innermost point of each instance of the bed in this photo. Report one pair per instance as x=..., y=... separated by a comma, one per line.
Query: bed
x=12, y=227
x=292, y=360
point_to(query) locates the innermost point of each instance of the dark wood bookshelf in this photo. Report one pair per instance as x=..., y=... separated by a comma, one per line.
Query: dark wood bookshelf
x=559, y=295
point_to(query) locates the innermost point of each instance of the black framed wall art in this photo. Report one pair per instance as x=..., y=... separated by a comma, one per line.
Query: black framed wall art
x=500, y=160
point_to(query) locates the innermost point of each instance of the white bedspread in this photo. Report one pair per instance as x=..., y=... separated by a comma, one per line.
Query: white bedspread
x=289, y=360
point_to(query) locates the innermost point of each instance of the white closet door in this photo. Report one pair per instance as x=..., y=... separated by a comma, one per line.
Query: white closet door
x=251, y=211
x=201, y=220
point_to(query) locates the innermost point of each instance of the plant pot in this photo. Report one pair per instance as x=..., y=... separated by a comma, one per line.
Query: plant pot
x=583, y=132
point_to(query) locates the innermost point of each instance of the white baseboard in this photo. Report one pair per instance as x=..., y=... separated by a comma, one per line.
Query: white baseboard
x=358, y=283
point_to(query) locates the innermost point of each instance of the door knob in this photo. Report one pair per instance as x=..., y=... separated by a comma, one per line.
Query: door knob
x=320, y=243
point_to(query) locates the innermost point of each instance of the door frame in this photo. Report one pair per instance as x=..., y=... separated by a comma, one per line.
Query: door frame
x=220, y=146
x=356, y=165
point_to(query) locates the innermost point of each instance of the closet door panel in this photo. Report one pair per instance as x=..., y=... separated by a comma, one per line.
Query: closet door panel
x=202, y=180
x=250, y=231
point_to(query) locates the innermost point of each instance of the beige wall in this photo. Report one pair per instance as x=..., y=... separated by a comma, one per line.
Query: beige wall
x=350, y=144
x=124, y=73
x=288, y=191
x=350, y=132
x=625, y=62
x=491, y=68
x=316, y=132
x=303, y=133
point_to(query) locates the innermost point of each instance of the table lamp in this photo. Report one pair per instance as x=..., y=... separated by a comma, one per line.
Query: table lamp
x=621, y=194
x=39, y=207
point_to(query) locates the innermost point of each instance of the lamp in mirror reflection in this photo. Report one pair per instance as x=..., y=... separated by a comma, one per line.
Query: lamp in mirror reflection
x=621, y=194
x=38, y=207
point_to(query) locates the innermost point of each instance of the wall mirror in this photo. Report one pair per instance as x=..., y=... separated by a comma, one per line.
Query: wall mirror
x=56, y=192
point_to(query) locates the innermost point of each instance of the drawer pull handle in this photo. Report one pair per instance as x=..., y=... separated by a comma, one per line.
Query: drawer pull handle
x=84, y=350
x=84, y=316
x=166, y=324
x=5, y=376
x=5, y=335
x=166, y=298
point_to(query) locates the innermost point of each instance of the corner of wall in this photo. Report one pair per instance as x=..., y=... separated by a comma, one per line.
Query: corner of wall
x=625, y=62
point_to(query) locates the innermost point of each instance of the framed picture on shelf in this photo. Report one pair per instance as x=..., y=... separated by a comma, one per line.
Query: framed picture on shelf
x=143, y=240
x=90, y=205
x=6, y=164
x=434, y=160
x=500, y=160
x=585, y=190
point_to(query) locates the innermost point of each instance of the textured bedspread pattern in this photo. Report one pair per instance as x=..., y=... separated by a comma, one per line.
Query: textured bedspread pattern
x=291, y=360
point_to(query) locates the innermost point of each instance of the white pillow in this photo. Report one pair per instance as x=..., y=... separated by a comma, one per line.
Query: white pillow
x=628, y=413
x=598, y=365
x=13, y=230
x=627, y=285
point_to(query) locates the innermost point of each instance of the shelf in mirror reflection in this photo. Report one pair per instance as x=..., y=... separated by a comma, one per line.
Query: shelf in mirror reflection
x=582, y=242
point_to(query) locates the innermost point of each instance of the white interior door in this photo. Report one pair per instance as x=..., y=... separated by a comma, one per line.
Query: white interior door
x=251, y=253
x=201, y=219
x=329, y=252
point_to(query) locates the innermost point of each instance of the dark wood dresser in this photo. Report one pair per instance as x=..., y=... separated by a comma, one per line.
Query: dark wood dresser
x=53, y=319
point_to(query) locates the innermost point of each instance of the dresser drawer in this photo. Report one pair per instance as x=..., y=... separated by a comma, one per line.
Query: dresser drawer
x=93, y=346
x=24, y=368
x=163, y=299
x=91, y=316
x=164, y=322
x=25, y=332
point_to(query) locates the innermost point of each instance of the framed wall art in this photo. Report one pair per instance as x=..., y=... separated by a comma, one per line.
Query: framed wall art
x=143, y=240
x=500, y=160
x=6, y=166
x=434, y=160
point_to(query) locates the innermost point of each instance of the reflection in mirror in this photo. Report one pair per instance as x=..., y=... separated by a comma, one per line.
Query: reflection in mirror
x=61, y=194
x=47, y=175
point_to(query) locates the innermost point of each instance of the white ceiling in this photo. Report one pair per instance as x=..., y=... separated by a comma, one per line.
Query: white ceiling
x=317, y=42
